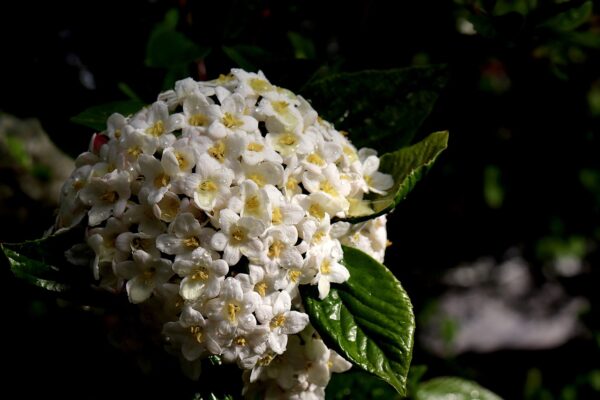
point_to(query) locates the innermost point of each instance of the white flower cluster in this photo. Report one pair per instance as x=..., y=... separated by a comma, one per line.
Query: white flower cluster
x=216, y=202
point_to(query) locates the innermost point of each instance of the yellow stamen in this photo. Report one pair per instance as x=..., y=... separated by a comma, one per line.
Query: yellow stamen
x=277, y=321
x=318, y=236
x=181, y=161
x=169, y=208
x=287, y=139
x=217, y=151
x=198, y=120
x=161, y=180
x=232, y=311
x=291, y=183
x=134, y=151
x=316, y=159
x=238, y=234
x=157, y=129
x=117, y=133
x=200, y=274
x=196, y=331
x=266, y=360
x=280, y=106
x=252, y=204
x=255, y=146
x=240, y=341
x=261, y=288
x=230, y=121
x=328, y=188
x=258, y=179
x=316, y=211
x=277, y=217
x=207, y=186
x=109, y=197
x=275, y=249
x=192, y=242
x=326, y=267
x=294, y=275
x=260, y=85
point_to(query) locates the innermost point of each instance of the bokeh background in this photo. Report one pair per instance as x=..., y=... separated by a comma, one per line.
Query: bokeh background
x=497, y=247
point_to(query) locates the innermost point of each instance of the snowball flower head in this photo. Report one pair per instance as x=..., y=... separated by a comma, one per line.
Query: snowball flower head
x=215, y=203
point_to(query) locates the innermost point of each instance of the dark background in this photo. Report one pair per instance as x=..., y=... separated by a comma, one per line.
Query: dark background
x=517, y=104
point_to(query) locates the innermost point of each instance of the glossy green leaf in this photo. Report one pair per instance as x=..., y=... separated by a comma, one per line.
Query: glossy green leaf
x=95, y=117
x=42, y=263
x=368, y=319
x=356, y=384
x=456, y=388
x=407, y=166
x=572, y=18
x=386, y=107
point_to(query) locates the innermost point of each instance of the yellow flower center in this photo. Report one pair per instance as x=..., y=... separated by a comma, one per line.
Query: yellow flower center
x=192, y=242
x=161, y=180
x=196, y=332
x=252, y=204
x=255, y=146
x=240, y=341
x=217, y=151
x=231, y=121
x=277, y=321
x=287, y=139
x=328, y=188
x=232, y=311
x=181, y=161
x=294, y=275
x=109, y=197
x=318, y=236
x=200, y=274
x=198, y=120
x=280, y=106
x=276, y=216
x=291, y=183
x=156, y=129
x=169, y=207
x=238, y=234
x=258, y=179
x=275, y=249
x=261, y=288
x=326, y=267
x=134, y=151
x=207, y=186
x=316, y=211
x=260, y=85
x=316, y=159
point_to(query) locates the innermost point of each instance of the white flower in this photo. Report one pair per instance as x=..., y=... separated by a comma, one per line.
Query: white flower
x=184, y=236
x=237, y=236
x=233, y=306
x=143, y=274
x=192, y=334
x=230, y=117
x=202, y=276
x=325, y=260
x=106, y=195
x=376, y=181
x=276, y=312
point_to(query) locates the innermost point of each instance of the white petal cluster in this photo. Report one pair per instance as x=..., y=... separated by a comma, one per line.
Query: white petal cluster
x=216, y=202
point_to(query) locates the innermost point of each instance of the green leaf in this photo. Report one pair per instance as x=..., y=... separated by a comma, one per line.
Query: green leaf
x=570, y=19
x=455, y=388
x=356, y=384
x=95, y=117
x=42, y=263
x=368, y=319
x=167, y=47
x=379, y=109
x=407, y=166
x=304, y=49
